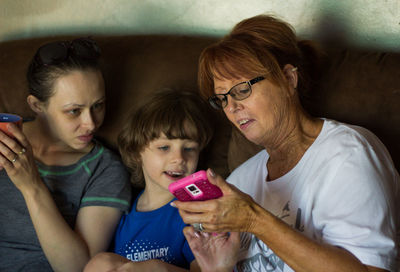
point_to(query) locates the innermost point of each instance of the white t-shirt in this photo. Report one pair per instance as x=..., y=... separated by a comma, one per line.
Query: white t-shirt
x=342, y=192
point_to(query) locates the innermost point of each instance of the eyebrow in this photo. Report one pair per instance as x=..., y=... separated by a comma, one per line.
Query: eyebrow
x=73, y=105
x=227, y=90
x=222, y=90
x=82, y=105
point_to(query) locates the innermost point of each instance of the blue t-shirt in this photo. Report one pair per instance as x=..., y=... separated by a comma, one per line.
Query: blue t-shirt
x=157, y=234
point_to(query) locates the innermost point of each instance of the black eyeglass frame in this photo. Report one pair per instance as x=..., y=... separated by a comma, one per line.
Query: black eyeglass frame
x=63, y=49
x=224, y=102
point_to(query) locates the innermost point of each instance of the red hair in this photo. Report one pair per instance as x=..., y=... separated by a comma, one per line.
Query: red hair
x=258, y=46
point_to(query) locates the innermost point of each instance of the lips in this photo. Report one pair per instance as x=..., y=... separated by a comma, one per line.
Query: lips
x=244, y=123
x=86, y=138
x=175, y=175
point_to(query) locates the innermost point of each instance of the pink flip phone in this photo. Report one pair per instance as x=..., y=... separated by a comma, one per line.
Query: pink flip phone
x=194, y=187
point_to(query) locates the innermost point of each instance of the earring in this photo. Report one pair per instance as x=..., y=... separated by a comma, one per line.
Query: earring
x=294, y=69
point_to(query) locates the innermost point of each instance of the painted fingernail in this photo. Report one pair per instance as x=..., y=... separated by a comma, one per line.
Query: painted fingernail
x=212, y=173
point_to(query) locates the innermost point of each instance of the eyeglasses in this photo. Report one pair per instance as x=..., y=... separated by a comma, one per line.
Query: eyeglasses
x=56, y=52
x=238, y=92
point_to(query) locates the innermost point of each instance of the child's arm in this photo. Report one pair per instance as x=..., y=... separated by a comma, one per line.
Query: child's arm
x=194, y=266
x=105, y=262
x=111, y=262
x=149, y=266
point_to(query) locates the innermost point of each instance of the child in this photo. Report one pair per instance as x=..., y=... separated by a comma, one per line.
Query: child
x=160, y=144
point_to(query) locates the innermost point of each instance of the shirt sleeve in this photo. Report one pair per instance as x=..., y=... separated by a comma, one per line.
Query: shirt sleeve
x=109, y=184
x=355, y=209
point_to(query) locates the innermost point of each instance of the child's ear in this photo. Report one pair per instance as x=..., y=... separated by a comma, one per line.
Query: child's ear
x=35, y=104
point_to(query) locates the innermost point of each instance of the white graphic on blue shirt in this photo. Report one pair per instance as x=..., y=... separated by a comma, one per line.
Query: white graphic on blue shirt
x=143, y=250
x=266, y=260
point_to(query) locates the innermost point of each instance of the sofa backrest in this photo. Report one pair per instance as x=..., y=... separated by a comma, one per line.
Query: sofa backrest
x=133, y=67
x=357, y=86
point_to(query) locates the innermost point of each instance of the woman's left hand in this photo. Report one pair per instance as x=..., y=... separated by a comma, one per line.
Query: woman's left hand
x=234, y=211
x=213, y=252
x=16, y=157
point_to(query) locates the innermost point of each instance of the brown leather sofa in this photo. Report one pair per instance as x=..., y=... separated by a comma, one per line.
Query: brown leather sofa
x=357, y=86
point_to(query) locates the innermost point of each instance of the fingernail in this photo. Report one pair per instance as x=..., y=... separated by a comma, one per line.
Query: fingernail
x=172, y=204
x=196, y=234
x=212, y=173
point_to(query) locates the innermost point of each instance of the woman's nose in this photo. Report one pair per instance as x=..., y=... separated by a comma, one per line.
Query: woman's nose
x=232, y=105
x=89, y=121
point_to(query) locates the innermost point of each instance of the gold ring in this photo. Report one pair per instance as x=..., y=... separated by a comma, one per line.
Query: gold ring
x=23, y=150
x=15, y=159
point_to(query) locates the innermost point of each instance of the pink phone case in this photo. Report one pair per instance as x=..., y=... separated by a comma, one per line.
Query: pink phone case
x=194, y=187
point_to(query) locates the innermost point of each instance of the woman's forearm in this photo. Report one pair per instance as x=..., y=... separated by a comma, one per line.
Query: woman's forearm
x=64, y=248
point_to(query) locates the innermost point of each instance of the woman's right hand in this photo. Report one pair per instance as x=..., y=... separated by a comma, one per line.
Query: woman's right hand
x=16, y=157
x=233, y=212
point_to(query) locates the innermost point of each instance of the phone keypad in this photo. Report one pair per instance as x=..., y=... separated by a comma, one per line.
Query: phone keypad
x=208, y=190
x=182, y=195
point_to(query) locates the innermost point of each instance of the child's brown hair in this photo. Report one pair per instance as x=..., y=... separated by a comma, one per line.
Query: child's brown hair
x=175, y=113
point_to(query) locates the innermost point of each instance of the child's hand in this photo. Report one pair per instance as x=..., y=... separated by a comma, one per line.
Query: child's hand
x=213, y=252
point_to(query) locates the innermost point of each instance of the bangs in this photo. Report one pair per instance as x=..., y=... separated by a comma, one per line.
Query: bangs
x=176, y=120
x=235, y=59
x=173, y=126
x=228, y=62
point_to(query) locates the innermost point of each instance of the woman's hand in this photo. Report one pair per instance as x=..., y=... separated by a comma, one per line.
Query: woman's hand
x=16, y=157
x=213, y=252
x=234, y=211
